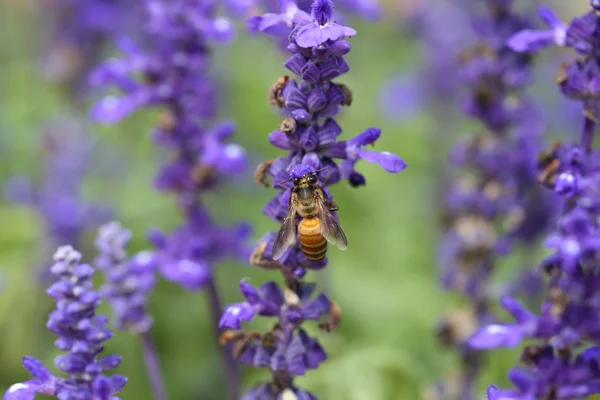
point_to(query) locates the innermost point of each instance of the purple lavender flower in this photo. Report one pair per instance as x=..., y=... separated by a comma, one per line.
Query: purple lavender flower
x=175, y=78
x=172, y=72
x=322, y=29
x=129, y=283
x=309, y=133
x=81, y=334
x=494, y=204
x=562, y=362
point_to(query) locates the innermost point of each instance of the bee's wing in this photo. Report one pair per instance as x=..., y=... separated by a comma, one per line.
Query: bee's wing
x=287, y=233
x=329, y=226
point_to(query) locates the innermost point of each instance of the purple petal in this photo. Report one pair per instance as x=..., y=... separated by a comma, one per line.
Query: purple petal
x=101, y=388
x=311, y=35
x=517, y=310
x=280, y=139
x=22, y=391
x=273, y=24
x=531, y=40
x=234, y=315
x=117, y=382
x=367, y=137
x=388, y=161
x=109, y=362
x=111, y=109
x=316, y=308
x=249, y=292
x=494, y=335
x=37, y=369
x=190, y=274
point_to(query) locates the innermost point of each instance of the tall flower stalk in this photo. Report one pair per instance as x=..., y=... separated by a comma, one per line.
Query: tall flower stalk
x=81, y=334
x=561, y=362
x=309, y=134
x=173, y=73
x=129, y=281
x=493, y=205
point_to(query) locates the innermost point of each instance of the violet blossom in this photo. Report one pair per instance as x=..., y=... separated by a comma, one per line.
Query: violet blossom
x=309, y=134
x=129, y=281
x=81, y=334
x=562, y=362
x=493, y=205
x=172, y=71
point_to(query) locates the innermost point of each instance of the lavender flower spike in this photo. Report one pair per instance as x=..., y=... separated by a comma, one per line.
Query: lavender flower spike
x=562, y=360
x=129, y=282
x=173, y=72
x=81, y=334
x=493, y=204
x=309, y=134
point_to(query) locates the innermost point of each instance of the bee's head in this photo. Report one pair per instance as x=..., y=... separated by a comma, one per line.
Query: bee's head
x=302, y=172
x=310, y=179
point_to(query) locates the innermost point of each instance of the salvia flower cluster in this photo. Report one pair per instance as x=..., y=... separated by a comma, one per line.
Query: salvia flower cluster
x=494, y=204
x=309, y=134
x=129, y=281
x=173, y=74
x=81, y=335
x=563, y=360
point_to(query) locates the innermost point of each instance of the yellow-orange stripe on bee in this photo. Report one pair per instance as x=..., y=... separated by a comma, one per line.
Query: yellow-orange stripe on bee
x=312, y=242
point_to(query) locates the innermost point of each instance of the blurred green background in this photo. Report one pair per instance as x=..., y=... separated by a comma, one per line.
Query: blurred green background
x=385, y=283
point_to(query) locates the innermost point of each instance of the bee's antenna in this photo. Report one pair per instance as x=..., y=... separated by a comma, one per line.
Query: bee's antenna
x=318, y=170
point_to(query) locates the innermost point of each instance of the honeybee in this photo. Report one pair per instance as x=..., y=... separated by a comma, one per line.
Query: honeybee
x=309, y=201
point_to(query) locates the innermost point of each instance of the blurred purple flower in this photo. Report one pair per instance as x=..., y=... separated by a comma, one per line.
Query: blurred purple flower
x=81, y=333
x=494, y=204
x=172, y=72
x=563, y=363
x=129, y=281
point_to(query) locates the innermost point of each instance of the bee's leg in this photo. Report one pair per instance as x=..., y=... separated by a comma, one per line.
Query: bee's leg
x=333, y=206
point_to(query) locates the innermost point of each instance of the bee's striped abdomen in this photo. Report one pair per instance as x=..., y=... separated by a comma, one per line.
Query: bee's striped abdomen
x=312, y=242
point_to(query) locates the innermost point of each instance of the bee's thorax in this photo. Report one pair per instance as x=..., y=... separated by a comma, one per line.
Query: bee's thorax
x=306, y=199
